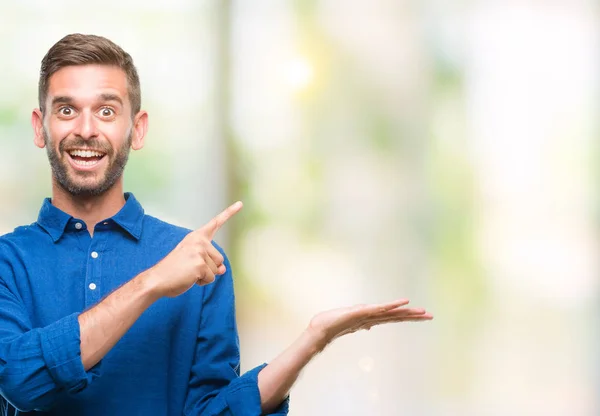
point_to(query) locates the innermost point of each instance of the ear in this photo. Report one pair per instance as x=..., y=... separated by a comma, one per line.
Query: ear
x=37, y=122
x=140, y=127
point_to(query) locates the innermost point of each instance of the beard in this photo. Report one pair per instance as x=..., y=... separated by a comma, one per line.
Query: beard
x=87, y=184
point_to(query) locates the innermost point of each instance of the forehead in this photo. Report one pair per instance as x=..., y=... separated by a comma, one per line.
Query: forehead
x=88, y=81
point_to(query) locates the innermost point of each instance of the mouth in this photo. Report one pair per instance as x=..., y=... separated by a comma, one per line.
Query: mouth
x=85, y=159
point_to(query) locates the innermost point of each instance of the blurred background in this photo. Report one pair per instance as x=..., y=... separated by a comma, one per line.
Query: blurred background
x=444, y=151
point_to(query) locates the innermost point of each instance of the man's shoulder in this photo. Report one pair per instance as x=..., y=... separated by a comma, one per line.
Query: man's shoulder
x=157, y=226
x=168, y=231
x=20, y=233
x=22, y=237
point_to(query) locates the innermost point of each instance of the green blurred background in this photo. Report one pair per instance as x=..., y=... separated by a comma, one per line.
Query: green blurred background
x=444, y=151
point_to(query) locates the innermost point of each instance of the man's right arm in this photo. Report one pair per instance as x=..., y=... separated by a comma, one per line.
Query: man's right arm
x=38, y=365
x=195, y=260
x=104, y=324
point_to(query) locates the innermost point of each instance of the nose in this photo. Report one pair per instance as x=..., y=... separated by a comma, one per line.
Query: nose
x=86, y=126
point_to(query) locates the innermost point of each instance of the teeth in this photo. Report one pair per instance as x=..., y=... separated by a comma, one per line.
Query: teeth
x=86, y=162
x=85, y=153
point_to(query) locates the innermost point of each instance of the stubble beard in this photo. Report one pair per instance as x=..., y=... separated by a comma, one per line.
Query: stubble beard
x=60, y=165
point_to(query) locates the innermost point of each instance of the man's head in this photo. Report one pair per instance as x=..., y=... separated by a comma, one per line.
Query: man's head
x=89, y=115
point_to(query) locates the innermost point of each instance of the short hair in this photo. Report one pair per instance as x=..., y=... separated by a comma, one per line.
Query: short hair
x=79, y=49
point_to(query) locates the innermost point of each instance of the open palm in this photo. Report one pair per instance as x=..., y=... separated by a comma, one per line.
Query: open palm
x=334, y=323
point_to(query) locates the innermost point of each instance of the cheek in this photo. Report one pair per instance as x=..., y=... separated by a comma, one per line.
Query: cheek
x=116, y=133
x=58, y=131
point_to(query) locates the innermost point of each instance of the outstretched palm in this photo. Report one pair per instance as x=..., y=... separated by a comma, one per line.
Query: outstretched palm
x=276, y=379
x=334, y=323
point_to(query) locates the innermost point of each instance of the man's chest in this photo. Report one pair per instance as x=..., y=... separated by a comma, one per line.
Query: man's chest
x=75, y=275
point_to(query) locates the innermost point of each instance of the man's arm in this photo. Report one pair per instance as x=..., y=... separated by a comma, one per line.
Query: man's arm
x=39, y=365
x=277, y=378
x=216, y=387
x=194, y=261
x=106, y=323
x=35, y=370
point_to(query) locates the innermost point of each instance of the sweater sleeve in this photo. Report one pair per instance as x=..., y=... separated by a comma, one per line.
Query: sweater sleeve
x=215, y=386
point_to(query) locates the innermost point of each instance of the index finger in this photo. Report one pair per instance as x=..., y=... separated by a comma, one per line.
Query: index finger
x=217, y=222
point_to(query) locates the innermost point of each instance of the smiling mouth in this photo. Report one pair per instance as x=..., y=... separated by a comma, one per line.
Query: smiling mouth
x=86, y=158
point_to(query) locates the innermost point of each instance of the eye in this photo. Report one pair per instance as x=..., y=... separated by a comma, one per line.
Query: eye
x=107, y=112
x=65, y=111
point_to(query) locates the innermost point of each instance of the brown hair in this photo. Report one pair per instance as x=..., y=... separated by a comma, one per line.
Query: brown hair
x=78, y=49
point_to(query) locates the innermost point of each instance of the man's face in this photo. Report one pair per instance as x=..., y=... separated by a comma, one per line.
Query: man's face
x=87, y=127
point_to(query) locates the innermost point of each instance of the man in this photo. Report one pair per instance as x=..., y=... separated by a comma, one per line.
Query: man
x=105, y=310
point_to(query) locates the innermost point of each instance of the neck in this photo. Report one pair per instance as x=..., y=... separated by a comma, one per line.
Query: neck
x=90, y=209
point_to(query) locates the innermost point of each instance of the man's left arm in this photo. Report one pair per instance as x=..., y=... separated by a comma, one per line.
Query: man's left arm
x=215, y=387
x=277, y=378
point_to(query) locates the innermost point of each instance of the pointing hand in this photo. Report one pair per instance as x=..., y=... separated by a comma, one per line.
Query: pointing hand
x=194, y=260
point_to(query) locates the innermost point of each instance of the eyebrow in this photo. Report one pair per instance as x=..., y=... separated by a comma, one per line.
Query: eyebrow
x=111, y=97
x=63, y=99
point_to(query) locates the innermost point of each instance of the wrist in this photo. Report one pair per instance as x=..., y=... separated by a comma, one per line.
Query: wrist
x=149, y=282
x=317, y=338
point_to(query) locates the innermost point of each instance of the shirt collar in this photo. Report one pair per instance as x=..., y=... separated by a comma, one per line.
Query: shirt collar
x=53, y=220
x=129, y=218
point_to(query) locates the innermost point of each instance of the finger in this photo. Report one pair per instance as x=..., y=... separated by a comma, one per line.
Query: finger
x=207, y=277
x=367, y=324
x=393, y=305
x=211, y=265
x=215, y=254
x=400, y=313
x=403, y=311
x=217, y=269
x=218, y=259
x=204, y=282
x=379, y=320
x=211, y=228
x=406, y=315
x=394, y=319
x=365, y=310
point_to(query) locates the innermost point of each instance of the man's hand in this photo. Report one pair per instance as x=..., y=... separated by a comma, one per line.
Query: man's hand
x=329, y=325
x=277, y=378
x=194, y=261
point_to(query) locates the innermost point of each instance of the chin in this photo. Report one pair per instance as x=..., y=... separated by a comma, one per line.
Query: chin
x=85, y=189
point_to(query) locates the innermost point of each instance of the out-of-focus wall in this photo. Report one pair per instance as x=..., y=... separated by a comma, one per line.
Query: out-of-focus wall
x=441, y=151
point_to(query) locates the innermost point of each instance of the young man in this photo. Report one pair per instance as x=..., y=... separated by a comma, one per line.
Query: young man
x=107, y=311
